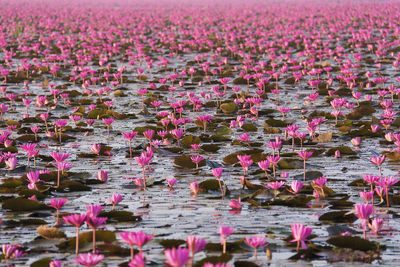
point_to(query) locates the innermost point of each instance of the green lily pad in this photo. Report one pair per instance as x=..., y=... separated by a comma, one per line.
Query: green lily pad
x=23, y=204
x=223, y=130
x=120, y=216
x=228, y=108
x=353, y=242
x=338, y=217
x=24, y=222
x=114, y=250
x=210, y=148
x=87, y=237
x=344, y=150
x=276, y=123
x=185, y=162
x=214, y=259
x=190, y=140
x=171, y=243
x=255, y=153
x=72, y=186
x=44, y=262
x=210, y=184
x=50, y=232
x=248, y=127
x=292, y=201
x=284, y=164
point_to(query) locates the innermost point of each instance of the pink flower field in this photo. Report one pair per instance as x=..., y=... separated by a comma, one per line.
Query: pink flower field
x=199, y=133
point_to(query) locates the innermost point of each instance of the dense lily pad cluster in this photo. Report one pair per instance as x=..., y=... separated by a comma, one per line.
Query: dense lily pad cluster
x=228, y=133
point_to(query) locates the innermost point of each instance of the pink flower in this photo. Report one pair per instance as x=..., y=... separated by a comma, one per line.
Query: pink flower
x=376, y=225
x=224, y=232
x=217, y=172
x=194, y=187
x=136, y=238
x=305, y=154
x=177, y=257
x=235, y=204
x=378, y=160
x=256, y=242
x=96, y=148
x=59, y=157
x=75, y=219
x=300, y=234
x=195, y=244
x=89, y=259
x=171, y=182
x=102, y=176
x=138, y=260
x=296, y=186
x=93, y=210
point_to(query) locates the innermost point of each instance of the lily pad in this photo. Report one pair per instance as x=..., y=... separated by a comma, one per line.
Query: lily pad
x=185, y=162
x=210, y=184
x=72, y=186
x=344, y=150
x=248, y=127
x=44, y=262
x=120, y=216
x=214, y=260
x=338, y=217
x=352, y=242
x=228, y=108
x=171, y=243
x=50, y=232
x=276, y=123
x=24, y=222
x=23, y=204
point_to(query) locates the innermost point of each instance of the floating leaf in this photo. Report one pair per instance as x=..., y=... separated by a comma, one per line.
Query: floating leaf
x=50, y=232
x=23, y=204
x=228, y=108
x=338, y=217
x=171, y=243
x=353, y=242
x=120, y=216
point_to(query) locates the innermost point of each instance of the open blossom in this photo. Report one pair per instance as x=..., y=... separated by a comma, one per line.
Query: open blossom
x=89, y=259
x=177, y=257
x=300, y=234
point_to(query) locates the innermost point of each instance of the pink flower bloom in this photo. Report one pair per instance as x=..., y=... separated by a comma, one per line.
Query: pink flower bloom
x=194, y=187
x=59, y=157
x=378, y=160
x=256, y=242
x=75, y=219
x=305, y=154
x=11, y=163
x=217, y=172
x=129, y=135
x=114, y=199
x=235, y=204
x=93, y=210
x=96, y=148
x=171, y=182
x=57, y=203
x=195, y=244
x=138, y=261
x=177, y=257
x=224, y=232
x=136, y=238
x=356, y=141
x=102, y=176
x=296, y=186
x=89, y=259
x=364, y=211
x=300, y=234
x=376, y=225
